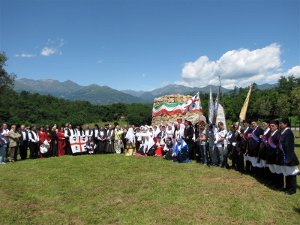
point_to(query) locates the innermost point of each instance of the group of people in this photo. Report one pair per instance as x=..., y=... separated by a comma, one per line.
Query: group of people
x=47, y=141
x=267, y=153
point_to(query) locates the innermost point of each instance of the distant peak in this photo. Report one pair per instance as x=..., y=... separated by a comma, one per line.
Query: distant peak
x=69, y=82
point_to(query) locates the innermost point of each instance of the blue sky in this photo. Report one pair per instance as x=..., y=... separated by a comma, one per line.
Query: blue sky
x=145, y=44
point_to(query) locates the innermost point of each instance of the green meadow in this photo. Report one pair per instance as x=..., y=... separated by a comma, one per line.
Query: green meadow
x=114, y=189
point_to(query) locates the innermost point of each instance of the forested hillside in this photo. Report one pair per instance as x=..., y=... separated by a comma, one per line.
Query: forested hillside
x=30, y=108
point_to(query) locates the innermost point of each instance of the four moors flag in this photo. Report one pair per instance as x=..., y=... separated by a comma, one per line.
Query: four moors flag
x=78, y=143
x=166, y=108
x=193, y=105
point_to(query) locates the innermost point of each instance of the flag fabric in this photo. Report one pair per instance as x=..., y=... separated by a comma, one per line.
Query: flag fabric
x=78, y=143
x=193, y=105
x=215, y=108
x=210, y=107
x=165, y=108
x=245, y=106
x=221, y=116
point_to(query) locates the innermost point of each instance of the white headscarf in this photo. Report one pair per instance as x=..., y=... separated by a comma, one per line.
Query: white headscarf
x=156, y=132
x=149, y=142
x=130, y=135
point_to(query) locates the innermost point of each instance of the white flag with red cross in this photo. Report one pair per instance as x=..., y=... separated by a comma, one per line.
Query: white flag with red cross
x=78, y=143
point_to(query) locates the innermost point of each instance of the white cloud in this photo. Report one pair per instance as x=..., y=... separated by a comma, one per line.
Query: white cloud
x=99, y=61
x=53, y=47
x=236, y=68
x=46, y=51
x=24, y=55
x=294, y=71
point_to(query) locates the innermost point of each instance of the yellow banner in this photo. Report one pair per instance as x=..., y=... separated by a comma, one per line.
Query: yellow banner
x=245, y=106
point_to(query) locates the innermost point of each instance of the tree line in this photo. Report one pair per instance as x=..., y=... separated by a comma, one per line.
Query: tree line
x=31, y=108
x=280, y=101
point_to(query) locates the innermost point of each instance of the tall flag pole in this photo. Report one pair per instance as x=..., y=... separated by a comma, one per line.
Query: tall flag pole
x=245, y=106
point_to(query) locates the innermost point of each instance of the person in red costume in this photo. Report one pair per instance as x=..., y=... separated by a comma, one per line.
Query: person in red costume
x=61, y=142
x=42, y=137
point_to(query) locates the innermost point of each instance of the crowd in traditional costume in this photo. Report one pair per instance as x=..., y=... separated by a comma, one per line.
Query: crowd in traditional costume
x=267, y=152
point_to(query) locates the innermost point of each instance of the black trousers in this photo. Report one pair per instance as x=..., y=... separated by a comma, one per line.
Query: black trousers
x=190, y=144
x=23, y=150
x=16, y=152
x=54, y=148
x=234, y=158
x=248, y=167
x=124, y=144
x=267, y=176
x=198, y=155
x=137, y=145
x=34, y=150
x=240, y=162
x=68, y=149
x=291, y=184
x=278, y=180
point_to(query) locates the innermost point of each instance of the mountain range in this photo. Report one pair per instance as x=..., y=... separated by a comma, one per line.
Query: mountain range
x=106, y=95
x=148, y=96
x=69, y=90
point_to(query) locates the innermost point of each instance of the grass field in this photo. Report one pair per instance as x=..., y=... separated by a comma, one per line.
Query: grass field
x=114, y=189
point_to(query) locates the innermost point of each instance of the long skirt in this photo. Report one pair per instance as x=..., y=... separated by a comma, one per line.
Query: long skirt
x=109, y=147
x=102, y=147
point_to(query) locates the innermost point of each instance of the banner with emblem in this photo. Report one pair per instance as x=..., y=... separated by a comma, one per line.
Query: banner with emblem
x=168, y=108
x=78, y=144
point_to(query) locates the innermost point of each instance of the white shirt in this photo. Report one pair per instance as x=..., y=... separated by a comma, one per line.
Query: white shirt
x=72, y=133
x=88, y=133
x=228, y=136
x=177, y=134
x=33, y=137
x=182, y=127
x=220, y=134
x=96, y=132
x=156, y=132
x=24, y=135
x=169, y=133
x=139, y=136
x=5, y=131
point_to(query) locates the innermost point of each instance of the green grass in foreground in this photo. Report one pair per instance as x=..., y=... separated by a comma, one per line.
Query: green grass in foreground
x=114, y=189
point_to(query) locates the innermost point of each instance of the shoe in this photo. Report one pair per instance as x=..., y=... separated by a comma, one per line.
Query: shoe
x=3, y=163
x=290, y=192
